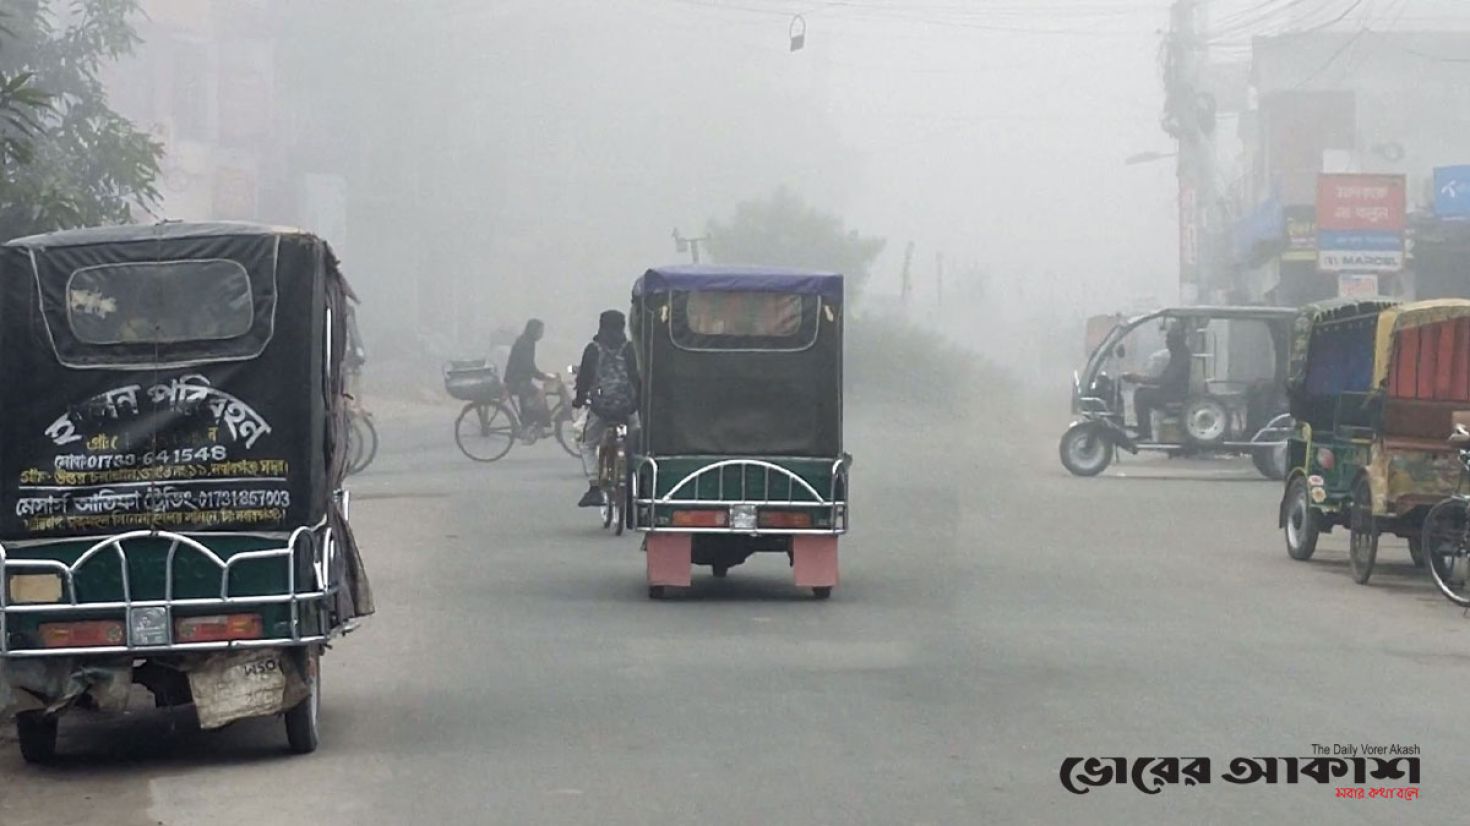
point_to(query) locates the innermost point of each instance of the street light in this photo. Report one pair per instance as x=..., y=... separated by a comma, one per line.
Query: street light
x=1148, y=157
x=689, y=245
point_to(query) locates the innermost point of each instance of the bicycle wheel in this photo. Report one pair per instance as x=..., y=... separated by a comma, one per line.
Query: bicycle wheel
x=620, y=500
x=485, y=432
x=1446, y=544
x=354, y=445
x=620, y=489
x=564, y=431
x=362, y=440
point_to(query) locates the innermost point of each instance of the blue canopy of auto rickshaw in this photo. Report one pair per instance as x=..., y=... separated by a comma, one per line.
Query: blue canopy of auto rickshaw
x=714, y=278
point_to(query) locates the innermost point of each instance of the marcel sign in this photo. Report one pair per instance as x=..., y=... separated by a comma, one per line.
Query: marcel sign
x=1360, y=223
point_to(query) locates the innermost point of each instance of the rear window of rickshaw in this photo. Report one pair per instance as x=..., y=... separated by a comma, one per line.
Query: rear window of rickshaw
x=745, y=320
x=160, y=302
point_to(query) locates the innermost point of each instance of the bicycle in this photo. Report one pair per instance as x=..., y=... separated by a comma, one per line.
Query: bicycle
x=491, y=422
x=612, y=477
x=362, y=440
x=362, y=434
x=1446, y=537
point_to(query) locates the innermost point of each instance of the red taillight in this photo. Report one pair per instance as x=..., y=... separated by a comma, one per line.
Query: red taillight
x=785, y=519
x=86, y=634
x=701, y=519
x=1325, y=459
x=219, y=628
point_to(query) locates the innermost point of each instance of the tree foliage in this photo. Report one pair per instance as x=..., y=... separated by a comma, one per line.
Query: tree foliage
x=783, y=230
x=66, y=158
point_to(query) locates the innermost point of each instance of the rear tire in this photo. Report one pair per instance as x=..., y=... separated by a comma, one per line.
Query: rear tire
x=656, y=592
x=36, y=731
x=303, y=723
x=1363, y=525
x=1300, y=521
x=485, y=431
x=822, y=591
x=1086, y=450
x=1206, y=422
x=619, y=502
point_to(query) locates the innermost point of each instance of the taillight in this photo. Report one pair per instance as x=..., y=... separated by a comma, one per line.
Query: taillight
x=219, y=628
x=785, y=519
x=85, y=634
x=701, y=519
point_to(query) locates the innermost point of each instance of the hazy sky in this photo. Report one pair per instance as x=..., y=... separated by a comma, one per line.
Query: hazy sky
x=554, y=144
x=995, y=130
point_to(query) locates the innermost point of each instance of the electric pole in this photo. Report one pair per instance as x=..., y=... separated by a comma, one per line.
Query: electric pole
x=1189, y=117
x=907, y=290
x=939, y=280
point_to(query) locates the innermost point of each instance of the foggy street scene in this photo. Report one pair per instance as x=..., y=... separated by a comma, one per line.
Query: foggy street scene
x=733, y=411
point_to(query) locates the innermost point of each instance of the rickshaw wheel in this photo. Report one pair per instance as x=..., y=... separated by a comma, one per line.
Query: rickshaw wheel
x=720, y=571
x=1416, y=551
x=303, y=723
x=822, y=591
x=656, y=592
x=36, y=731
x=1086, y=450
x=1301, y=525
x=1363, y=543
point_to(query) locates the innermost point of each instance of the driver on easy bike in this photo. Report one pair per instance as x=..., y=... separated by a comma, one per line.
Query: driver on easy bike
x=1170, y=385
x=607, y=383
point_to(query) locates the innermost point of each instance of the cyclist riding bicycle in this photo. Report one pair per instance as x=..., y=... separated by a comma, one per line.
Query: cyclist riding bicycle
x=522, y=377
x=607, y=383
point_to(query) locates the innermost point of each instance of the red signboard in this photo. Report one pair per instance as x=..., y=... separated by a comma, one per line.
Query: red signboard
x=1361, y=202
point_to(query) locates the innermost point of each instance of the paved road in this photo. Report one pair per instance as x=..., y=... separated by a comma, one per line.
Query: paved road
x=995, y=617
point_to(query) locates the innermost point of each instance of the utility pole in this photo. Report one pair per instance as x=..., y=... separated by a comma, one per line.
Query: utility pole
x=939, y=280
x=1189, y=117
x=906, y=291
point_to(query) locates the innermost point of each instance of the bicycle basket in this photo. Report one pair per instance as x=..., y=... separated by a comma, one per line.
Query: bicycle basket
x=473, y=381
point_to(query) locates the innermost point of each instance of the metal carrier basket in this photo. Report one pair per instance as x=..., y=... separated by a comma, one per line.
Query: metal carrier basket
x=473, y=381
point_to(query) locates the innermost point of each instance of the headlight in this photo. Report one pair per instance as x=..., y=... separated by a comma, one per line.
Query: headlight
x=33, y=589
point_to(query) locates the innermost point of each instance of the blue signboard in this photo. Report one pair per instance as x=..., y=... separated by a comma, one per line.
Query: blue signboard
x=1359, y=240
x=1452, y=191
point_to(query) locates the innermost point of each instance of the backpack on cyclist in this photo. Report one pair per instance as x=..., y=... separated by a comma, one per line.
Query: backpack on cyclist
x=612, y=397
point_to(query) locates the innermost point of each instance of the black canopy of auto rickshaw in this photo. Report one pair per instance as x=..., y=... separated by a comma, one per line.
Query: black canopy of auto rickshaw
x=179, y=376
x=770, y=387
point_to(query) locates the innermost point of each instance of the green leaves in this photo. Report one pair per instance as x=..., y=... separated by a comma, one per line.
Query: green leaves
x=66, y=158
x=782, y=230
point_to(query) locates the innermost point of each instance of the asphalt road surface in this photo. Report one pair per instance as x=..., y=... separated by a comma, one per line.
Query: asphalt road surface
x=995, y=617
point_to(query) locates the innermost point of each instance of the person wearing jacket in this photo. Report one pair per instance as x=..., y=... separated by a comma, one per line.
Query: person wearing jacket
x=612, y=341
x=522, y=377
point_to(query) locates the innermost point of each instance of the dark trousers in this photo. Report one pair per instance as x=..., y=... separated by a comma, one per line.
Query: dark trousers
x=1145, y=401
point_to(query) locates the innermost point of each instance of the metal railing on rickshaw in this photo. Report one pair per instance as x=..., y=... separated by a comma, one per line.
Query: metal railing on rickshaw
x=70, y=608
x=737, y=497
